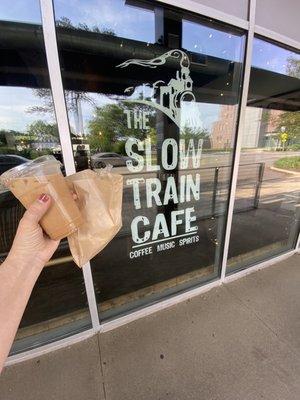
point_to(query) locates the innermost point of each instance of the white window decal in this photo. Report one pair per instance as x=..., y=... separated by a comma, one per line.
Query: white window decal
x=157, y=233
x=178, y=89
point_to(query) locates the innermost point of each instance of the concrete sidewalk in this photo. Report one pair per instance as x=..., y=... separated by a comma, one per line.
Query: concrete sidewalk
x=237, y=342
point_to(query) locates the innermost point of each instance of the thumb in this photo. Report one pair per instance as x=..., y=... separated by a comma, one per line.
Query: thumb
x=38, y=209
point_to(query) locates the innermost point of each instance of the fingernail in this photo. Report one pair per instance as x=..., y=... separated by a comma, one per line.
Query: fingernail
x=43, y=198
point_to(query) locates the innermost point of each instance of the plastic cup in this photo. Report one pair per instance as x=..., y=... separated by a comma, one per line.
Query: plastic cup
x=43, y=175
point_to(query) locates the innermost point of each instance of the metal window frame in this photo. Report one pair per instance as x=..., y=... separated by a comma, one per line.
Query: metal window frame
x=238, y=144
x=48, y=23
x=277, y=37
x=206, y=11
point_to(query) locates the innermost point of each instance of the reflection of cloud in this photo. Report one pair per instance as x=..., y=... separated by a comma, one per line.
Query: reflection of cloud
x=145, y=91
x=199, y=115
x=5, y=122
x=17, y=108
x=191, y=116
x=14, y=103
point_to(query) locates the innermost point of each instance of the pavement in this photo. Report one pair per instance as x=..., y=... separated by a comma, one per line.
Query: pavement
x=240, y=341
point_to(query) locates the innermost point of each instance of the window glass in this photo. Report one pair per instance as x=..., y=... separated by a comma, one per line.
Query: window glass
x=206, y=39
x=161, y=108
x=269, y=172
x=270, y=57
x=28, y=129
x=135, y=22
x=16, y=11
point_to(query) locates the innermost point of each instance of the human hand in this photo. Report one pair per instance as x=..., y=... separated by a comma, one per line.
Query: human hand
x=31, y=246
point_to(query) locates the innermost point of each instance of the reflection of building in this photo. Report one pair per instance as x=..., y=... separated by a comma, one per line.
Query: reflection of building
x=223, y=130
x=259, y=128
x=271, y=132
x=252, y=127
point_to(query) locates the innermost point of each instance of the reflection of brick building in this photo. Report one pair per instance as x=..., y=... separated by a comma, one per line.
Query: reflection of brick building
x=272, y=122
x=270, y=128
x=223, y=130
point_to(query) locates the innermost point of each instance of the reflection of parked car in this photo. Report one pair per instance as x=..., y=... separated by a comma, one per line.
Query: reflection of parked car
x=100, y=160
x=8, y=161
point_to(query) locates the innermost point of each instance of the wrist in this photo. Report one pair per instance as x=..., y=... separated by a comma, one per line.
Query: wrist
x=34, y=265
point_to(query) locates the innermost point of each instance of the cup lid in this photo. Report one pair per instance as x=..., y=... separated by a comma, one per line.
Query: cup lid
x=28, y=168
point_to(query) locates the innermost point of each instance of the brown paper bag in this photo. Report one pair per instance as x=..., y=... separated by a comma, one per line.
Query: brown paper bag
x=100, y=203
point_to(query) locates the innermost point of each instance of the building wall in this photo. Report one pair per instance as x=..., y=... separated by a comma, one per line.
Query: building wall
x=238, y=8
x=279, y=16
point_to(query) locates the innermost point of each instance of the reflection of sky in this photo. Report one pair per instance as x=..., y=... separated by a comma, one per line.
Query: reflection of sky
x=126, y=21
x=21, y=11
x=14, y=102
x=206, y=40
x=271, y=57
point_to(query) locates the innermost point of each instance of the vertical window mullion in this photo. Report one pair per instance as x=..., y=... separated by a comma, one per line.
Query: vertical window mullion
x=241, y=118
x=48, y=22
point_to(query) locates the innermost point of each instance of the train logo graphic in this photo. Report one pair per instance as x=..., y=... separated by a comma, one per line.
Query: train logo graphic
x=166, y=97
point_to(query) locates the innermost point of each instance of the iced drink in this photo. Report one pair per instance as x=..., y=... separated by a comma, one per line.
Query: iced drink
x=43, y=175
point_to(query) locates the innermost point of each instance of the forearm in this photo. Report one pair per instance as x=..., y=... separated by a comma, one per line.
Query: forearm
x=17, y=281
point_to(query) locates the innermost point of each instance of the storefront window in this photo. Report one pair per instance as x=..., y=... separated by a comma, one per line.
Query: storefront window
x=271, y=142
x=28, y=129
x=153, y=92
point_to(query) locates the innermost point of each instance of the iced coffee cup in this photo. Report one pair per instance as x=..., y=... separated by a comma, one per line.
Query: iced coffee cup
x=43, y=175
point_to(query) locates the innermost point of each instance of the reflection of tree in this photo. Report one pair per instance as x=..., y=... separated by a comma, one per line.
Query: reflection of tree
x=293, y=67
x=109, y=125
x=31, y=143
x=8, y=139
x=65, y=22
x=73, y=103
x=43, y=131
x=188, y=133
x=289, y=123
x=72, y=100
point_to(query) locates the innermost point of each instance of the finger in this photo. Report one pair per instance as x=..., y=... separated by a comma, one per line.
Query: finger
x=38, y=209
